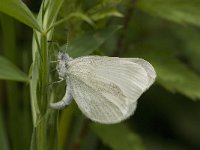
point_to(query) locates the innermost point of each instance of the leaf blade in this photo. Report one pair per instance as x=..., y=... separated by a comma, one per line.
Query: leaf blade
x=89, y=42
x=9, y=71
x=18, y=10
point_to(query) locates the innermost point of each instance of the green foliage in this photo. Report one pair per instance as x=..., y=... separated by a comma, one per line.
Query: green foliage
x=190, y=48
x=181, y=11
x=106, y=13
x=79, y=15
x=43, y=137
x=18, y=10
x=166, y=118
x=118, y=137
x=89, y=42
x=3, y=136
x=53, y=8
x=172, y=74
x=9, y=71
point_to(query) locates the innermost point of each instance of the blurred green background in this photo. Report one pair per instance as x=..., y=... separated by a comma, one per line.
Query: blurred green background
x=165, y=33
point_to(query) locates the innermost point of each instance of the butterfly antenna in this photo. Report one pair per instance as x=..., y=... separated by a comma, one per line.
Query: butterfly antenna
x=67, y=42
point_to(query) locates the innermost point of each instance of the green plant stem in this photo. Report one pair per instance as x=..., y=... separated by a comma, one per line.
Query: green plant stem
x=45, y=119
x=45, y=73
x=75, y=14
x=41, y=132
x=41, y=129
x=45, y=130
x=121, y=39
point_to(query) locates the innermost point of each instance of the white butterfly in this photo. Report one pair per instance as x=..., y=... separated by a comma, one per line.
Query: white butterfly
x=106, y=89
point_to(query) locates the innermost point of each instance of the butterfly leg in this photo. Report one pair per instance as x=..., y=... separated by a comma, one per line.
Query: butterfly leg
x=66, y=100
x=55, y=82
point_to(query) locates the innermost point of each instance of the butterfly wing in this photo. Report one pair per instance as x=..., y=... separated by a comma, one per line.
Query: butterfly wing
x=150, y=72
x=147, y=66
x=106, y=89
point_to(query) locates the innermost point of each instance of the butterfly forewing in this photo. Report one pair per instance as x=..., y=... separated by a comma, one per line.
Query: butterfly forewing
x=147, y=66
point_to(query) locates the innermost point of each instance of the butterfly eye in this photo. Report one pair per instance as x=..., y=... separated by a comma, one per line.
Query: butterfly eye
x=63, y=57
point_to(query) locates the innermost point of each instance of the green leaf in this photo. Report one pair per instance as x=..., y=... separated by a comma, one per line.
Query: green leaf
x=18, y=10
x=189, y=41
x=53, y=9
x=106, y=13
x=118, y=137
x=105, y=8
x=9, y=71
x=49, y=11
x=181, y=11
x=89, y=42
x=171, y=73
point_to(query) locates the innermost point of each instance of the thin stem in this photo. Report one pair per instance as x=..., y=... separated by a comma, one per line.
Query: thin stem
x=76, y=14
x=121, y=39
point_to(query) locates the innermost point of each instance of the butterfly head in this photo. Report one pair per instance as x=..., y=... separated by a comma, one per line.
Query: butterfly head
x=63, y=59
